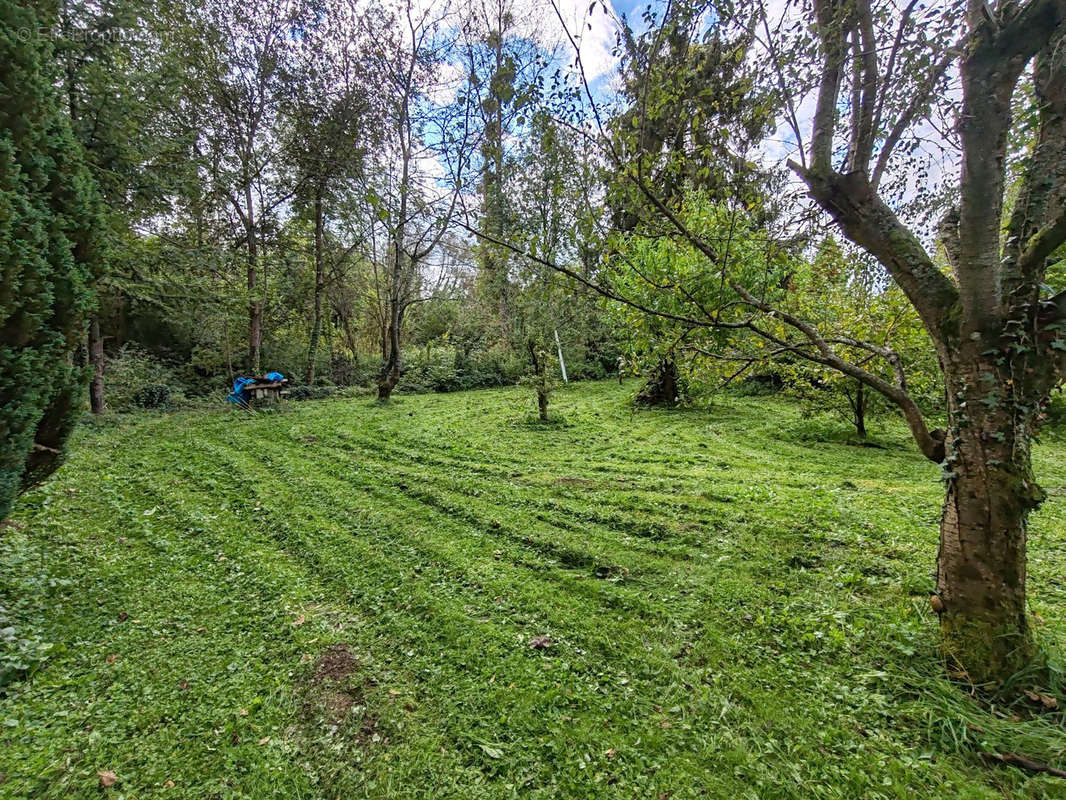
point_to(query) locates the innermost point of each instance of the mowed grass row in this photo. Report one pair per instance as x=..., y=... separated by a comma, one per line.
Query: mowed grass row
x=342, y=600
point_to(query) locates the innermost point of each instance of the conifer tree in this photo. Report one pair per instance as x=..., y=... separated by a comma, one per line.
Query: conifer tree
x=50, y=252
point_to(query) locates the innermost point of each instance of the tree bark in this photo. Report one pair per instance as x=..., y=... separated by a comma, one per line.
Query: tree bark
x=390, y=370
x=860, y=410
x=542, y=405
x=255, y=305
x=96, y=360
x=662, y=388
x=316, y=323
x=991, y=490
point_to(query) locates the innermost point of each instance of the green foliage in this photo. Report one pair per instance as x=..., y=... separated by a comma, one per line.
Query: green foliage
x=21, y=648
x=137, y=379
x=50, y=223
x=440, y=367
x=154, y=395
x=304, y=392
x=732, y=610
x=842, y=296
x=695, y=116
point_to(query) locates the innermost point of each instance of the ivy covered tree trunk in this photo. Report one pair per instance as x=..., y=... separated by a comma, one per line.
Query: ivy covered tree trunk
x=996, y=328
x=981, y=566
x=540, y=381
x=858, y=406
x=663, y=387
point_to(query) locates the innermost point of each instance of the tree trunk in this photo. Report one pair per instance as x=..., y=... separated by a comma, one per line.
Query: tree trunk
x=991, y=491
x=860, y=410
x=255, y=306
x=255, y=334
x=96, y=360
x=663, y=387
x=542, y=405
x=316, y=324
x=390, y=371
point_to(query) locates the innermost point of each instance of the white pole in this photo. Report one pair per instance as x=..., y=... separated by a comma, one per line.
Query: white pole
x=562, y=364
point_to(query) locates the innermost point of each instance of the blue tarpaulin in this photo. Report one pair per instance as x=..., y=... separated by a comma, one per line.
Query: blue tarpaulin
x=239, y=395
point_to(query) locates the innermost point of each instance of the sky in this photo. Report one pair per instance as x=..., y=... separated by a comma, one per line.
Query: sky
x=593, y=25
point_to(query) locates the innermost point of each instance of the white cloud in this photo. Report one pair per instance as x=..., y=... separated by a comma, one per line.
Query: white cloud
x=593, y=32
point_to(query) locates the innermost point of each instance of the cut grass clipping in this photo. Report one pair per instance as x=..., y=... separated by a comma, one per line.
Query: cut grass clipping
x=435, y=598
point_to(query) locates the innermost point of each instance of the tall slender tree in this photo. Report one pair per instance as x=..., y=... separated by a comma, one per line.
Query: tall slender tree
x=506, y=63
x=237, y=59
x=427, y=148
x=330, y=124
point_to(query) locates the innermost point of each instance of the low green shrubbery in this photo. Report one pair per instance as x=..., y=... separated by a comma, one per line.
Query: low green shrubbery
x=305, y=392
x=134, y=379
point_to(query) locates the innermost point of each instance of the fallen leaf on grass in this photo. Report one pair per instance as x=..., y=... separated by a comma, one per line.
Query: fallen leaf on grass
x=491, y=752
x=1047, y=701
x=107, y=778
x=264, y=740
x=244, y=712
x=300, y=620
x=111, y=659
x=540, y=642
x=169, y=784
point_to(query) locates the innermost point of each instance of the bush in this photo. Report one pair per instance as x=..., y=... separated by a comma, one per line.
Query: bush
x=50, y=255
x=443, y=368
x=153, y=396
x=134, y=379
x=304, y=392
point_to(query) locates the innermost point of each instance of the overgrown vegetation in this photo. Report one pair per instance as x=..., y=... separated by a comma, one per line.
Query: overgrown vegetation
x=435, y=598
x=50, y=245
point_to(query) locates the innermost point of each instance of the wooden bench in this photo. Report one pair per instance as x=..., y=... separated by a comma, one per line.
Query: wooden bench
x=264, y=392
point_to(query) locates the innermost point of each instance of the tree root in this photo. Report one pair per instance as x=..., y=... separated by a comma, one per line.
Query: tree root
x=1024, y=762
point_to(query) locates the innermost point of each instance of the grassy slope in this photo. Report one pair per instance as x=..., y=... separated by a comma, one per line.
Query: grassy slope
x=763, y=630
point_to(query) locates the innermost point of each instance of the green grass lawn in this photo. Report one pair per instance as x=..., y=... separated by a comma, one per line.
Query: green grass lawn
x=342, y=600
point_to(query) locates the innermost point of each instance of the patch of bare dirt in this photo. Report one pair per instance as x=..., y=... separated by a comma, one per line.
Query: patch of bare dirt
x=331, y=694
x=336, y=664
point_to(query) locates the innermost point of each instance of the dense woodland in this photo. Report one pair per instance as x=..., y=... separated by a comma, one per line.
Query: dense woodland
x=857, y=204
